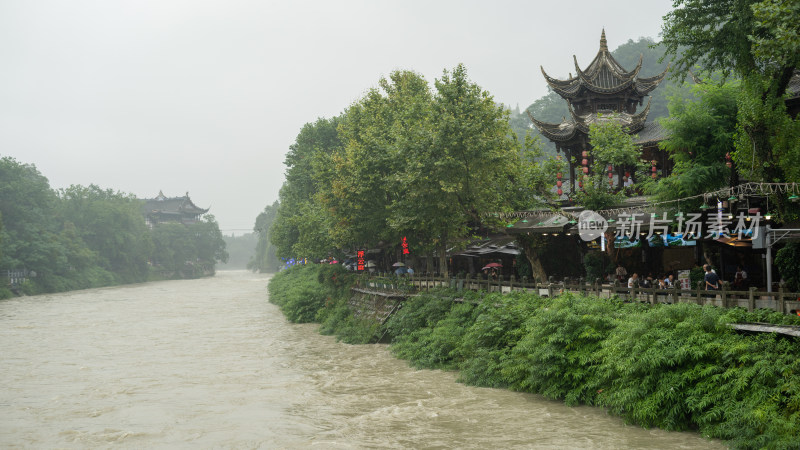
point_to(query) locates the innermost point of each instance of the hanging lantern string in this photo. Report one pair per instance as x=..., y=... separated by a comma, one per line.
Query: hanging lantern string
x=745, y=189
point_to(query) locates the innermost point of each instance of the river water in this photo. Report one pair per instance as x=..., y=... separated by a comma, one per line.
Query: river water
x=211, y=364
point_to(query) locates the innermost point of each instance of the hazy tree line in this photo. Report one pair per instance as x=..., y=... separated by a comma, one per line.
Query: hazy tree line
x=86, y=236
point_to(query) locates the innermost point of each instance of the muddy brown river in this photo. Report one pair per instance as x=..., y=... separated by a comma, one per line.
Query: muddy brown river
x=211, y=364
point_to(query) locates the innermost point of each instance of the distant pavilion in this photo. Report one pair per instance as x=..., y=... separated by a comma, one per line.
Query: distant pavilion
x=163, y=209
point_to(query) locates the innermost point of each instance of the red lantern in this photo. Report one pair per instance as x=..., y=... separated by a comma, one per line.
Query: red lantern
x=627, y=174
x=654, y=176
x=558, y=183
x=560, y=192
x=654, y=169
x=586, y=170
x=585, y=154
x=558, y=175
x=610, y=167
x=580, y=184
x=610, y=175
x=585, y=161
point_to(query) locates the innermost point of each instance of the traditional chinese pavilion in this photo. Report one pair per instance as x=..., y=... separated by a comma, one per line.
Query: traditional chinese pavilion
x=602, y=91
x=171, y=209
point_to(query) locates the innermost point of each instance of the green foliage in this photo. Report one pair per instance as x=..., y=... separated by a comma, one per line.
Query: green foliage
x=305, y=167
x=767, y=139
x=611, y=144
x=597, y=264
x=188, y=251
x=297, y=292
x=778, y=41
x=421, y=311
x=111, y=225
x=487, y=344
x=337, y=319
x=265, y=258
x=437, y=347
x=787, y=260
x=753, y=40
x=558, y=355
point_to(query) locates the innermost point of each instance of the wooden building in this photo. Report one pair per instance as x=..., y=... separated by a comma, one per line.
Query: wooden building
x=604, y=91
x=171, y=209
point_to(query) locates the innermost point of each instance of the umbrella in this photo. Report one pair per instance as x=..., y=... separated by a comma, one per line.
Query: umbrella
x=370, y=263
x=401, y=270
x=334, y=262
x=492, y=265
x=398, y=264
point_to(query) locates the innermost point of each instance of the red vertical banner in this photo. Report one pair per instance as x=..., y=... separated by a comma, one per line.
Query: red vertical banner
x=404, y=245
x=360, y=260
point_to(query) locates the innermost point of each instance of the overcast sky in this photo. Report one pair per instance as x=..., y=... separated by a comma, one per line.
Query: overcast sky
x=207, y=96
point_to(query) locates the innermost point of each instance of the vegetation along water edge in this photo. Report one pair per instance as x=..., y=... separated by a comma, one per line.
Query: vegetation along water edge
x=676, y=367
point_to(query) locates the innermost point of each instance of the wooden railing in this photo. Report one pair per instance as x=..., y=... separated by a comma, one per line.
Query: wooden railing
x=786, y=302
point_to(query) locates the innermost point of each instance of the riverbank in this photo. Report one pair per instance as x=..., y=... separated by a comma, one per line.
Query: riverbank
x=676, y=367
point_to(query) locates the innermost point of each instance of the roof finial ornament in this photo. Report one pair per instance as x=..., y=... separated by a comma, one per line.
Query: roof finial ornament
x=603, y=43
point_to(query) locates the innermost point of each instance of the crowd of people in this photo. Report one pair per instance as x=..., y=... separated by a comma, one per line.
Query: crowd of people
x=666, y=281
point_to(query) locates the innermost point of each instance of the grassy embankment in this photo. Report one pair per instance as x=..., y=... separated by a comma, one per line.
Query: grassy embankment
x=676, y=367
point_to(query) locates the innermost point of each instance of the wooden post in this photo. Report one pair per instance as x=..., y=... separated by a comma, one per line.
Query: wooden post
x=653, y=298
x=550, y=287
x=699, y=299
x=751, y=300
x=511, y=283
x=781, y=301
x=724, y=293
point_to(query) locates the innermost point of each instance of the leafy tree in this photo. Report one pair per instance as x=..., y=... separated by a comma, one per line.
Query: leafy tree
x=188, y=251
x=380, y=133
x=787, y=260
x=264, y=259
x=611, y=145
x=702, y=127
x=315, y=142
x=467, y=166
x=111, y=224
x=752, y=39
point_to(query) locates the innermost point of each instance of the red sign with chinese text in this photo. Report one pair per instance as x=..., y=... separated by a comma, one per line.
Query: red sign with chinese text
x=404, y=245
x=360, y=260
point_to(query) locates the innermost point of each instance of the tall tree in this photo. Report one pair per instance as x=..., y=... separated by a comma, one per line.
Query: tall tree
x=265, y=259
x=470, y=167
x=702, y=128
x=112, y=225
x=753, y=40
x=380, y=132
x=315, y=142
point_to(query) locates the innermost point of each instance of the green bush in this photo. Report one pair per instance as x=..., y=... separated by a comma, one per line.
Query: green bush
x=5, y=293
x=337, y=319
x=437, y=347
x=488, y=342
x=558, y=355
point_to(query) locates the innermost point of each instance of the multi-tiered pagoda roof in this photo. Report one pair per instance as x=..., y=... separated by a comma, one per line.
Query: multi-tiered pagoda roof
x=171, y=209
x=602, y=91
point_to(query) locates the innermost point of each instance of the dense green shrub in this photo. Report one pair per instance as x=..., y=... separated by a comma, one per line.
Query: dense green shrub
x=337, y=319
x=558, y=353
x=298, y=293
x=437, y=347
x=421, y=311
x=488, y=342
